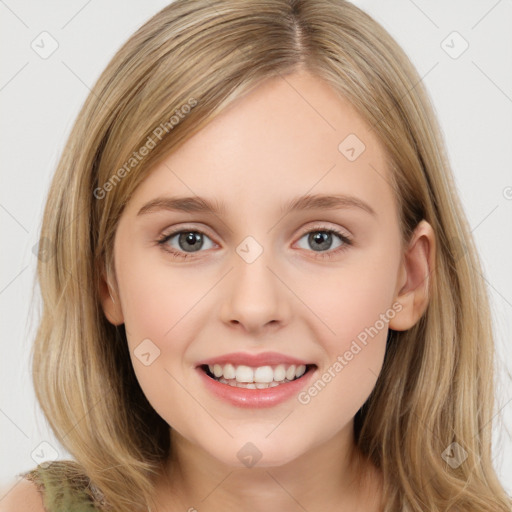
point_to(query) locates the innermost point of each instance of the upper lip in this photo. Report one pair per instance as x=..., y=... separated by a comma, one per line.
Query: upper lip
x=254, y=360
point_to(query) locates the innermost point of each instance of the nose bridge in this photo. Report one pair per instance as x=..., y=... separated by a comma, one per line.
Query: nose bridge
x=256, y=297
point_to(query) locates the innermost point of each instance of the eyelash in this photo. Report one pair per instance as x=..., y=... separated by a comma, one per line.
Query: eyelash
x=322, y=254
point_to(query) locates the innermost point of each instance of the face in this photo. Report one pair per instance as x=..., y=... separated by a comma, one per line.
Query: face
x=314, y=286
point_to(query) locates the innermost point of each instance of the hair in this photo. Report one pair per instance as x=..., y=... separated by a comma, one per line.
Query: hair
x=437, y=383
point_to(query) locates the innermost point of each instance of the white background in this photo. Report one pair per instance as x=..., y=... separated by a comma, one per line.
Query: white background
x=40, y=99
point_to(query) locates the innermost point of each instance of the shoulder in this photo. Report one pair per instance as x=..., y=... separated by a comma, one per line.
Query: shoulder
x=21, y=495
x=59, y=485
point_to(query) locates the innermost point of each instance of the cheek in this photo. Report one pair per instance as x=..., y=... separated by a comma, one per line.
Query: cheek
x=159, y=304
x=354, y=306
x=352, y=299
x=155, y=298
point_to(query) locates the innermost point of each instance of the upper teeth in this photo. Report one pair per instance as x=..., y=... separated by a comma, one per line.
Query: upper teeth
x=262, y=374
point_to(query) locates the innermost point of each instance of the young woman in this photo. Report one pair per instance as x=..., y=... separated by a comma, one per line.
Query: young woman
x=263, y=294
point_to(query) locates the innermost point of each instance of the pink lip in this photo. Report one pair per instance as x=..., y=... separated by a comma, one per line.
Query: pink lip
x=255, y=398
x=254, y=360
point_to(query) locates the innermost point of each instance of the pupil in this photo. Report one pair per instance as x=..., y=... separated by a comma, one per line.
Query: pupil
x=321, y=238
x=194, y=239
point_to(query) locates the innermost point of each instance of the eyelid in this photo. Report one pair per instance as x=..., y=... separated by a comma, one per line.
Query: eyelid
x=324, y=226
x=175, y=230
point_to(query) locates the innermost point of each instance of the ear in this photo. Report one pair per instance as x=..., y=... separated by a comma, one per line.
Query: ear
x=110, y=300
x=413, y=283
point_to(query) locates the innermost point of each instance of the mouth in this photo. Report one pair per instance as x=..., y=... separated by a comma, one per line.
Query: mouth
x=261, y=377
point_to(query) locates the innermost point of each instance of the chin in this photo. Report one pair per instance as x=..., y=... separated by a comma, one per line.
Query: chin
x=251, y=452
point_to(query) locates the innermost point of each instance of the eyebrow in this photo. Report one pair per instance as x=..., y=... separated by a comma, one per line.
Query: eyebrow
x=198, y=204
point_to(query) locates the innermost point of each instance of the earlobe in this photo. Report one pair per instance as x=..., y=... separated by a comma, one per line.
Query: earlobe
x=110, y=301
x=413, y=283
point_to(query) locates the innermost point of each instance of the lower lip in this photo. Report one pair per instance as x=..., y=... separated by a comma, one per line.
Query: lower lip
x=255, y=398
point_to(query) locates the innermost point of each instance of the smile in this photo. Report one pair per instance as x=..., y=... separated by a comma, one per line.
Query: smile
x=254, y=394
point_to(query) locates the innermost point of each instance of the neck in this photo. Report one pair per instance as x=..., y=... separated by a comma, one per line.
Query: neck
x=330, y=476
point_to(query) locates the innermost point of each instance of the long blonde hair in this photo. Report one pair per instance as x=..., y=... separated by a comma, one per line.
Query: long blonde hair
x=436, y=387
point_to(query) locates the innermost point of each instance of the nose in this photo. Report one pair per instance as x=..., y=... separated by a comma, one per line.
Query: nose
x=257, y=298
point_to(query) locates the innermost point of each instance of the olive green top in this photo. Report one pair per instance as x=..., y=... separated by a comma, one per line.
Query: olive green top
x=64, y=487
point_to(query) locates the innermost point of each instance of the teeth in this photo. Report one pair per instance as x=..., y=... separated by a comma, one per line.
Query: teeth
x=261, y=377
x=244, y=374
x=229, y=371
x=300, y=371
x=290, y=373
x=263, y=374
x=279, y=373
x=250, y=385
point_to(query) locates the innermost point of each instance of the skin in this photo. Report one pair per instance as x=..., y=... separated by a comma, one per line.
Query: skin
x=277, y=142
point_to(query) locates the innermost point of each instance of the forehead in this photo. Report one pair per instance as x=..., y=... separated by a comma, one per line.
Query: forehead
x=288, y=137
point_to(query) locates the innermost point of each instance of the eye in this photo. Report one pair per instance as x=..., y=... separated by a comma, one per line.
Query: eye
x=186, y=241
x=322, y=240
